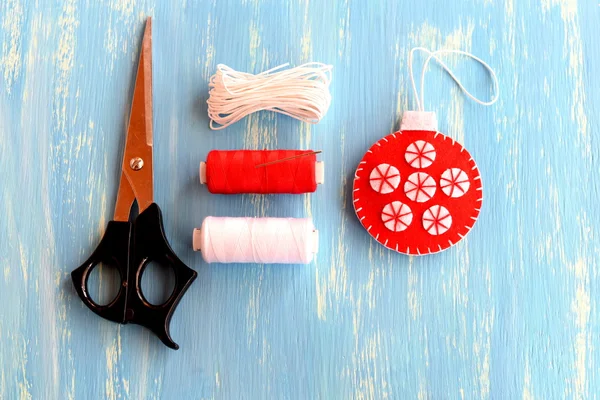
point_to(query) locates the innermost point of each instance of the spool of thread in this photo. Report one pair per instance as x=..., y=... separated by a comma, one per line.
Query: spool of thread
x=257, y=240
x=261, y=171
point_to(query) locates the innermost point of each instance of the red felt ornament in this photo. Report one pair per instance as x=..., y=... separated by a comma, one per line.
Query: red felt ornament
x=427, y=206
x=418, y=191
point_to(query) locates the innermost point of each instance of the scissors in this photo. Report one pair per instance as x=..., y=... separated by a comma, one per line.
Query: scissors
x=130, y=245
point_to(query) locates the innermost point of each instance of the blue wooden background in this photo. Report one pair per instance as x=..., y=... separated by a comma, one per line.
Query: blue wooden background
x=510, y=312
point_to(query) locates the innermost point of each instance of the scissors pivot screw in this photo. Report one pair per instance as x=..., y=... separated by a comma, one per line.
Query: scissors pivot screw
x=136, y=163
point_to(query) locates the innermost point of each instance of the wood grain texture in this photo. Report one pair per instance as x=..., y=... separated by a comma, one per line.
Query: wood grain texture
x=510, y=312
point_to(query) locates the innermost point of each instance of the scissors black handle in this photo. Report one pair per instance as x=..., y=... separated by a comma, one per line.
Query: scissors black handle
x=113, y=250
x=130, y=247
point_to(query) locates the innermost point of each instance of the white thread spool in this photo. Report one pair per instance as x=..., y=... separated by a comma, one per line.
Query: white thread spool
x=257, y=240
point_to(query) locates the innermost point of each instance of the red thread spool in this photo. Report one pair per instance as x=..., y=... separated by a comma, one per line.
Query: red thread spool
x=261, y=171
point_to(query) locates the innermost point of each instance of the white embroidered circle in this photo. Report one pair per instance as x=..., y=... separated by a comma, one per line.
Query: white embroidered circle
x=396, y=216
x=384, y=178
x=420, y=154
x=419, y=187
x=455, y=182
x=437, y=220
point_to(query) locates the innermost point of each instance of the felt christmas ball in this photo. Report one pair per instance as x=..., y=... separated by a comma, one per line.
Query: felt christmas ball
x=417, y=191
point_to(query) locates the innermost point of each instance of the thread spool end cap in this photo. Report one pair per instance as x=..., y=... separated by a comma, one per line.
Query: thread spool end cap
x=315, y=237
x=202, y=172
x=320, y=172
x=197, y=239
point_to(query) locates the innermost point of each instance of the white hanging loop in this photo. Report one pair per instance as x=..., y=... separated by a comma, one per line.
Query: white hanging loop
x=434, y=55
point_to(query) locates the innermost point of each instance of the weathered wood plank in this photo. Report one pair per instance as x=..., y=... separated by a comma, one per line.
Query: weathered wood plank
x=510, y=312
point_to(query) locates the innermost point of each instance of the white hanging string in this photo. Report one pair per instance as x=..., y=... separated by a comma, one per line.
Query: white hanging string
x=434, y=56
x=301, y=92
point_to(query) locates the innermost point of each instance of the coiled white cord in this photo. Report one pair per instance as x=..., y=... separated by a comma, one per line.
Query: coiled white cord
x=301, y=92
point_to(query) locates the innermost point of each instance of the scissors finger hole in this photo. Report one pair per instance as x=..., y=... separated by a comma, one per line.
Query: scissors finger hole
x=104, y=283
x=157, y=283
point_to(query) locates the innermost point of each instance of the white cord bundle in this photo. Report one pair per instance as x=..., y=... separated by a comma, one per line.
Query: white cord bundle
x=301, y=92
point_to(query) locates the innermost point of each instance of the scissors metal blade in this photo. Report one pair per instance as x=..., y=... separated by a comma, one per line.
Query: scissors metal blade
x=136, y=170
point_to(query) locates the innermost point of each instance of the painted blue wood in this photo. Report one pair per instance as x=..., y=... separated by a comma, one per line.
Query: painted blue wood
x=510, y=312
